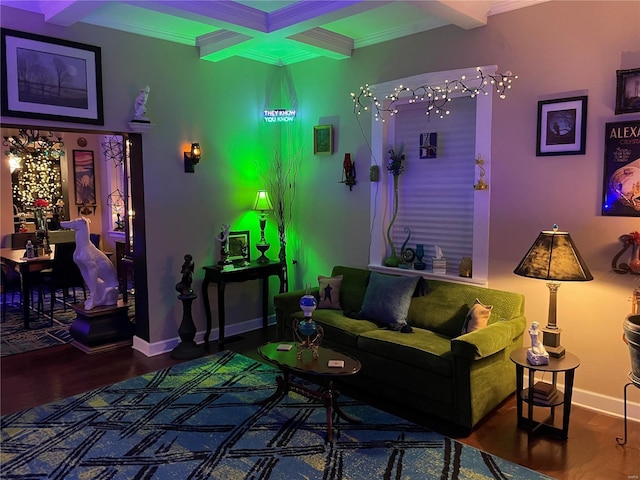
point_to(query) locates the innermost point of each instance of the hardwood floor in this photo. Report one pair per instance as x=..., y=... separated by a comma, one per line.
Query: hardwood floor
x=39, y=377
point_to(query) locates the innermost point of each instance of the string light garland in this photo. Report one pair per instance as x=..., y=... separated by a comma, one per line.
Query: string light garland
x=435, y=97
x=36, y=167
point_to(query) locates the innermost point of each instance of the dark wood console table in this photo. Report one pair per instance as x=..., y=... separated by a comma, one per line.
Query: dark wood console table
x=230, y=274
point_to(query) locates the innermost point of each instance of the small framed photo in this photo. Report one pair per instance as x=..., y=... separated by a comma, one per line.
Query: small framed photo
x=51, y=79
x=239, y=247
x=628, y=91
x=562, y=126
x=84, y=178
x=323, y=140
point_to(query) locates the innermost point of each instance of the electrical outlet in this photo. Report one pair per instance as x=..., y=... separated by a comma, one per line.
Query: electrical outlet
x=374, y=173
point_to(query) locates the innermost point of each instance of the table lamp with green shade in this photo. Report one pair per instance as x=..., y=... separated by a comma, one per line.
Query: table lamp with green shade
x=263, y=205
x=555, y=258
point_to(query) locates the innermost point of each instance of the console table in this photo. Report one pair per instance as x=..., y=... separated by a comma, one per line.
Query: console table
x=567, y=365
x=230, y=274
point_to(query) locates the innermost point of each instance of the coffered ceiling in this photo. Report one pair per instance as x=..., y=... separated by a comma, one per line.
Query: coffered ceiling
x=280, y=32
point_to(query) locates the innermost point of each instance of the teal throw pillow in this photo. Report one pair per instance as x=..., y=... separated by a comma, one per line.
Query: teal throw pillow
x=388, y=298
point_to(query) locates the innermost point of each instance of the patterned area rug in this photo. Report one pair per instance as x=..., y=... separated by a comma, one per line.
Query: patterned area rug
x=203, y=419
x=42, y=333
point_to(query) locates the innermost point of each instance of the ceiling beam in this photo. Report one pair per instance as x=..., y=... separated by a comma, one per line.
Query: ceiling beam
x=67, y=12
x=462, y=13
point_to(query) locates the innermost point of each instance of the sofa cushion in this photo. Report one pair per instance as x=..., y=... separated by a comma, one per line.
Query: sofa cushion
x=388, y=298
x=447, y=304
x=477, y=318
x=329, y=291
x=353, y=288
x=424, y=349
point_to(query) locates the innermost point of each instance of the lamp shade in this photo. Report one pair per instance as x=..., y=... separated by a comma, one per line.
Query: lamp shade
x=554, y=256
x=262, y=202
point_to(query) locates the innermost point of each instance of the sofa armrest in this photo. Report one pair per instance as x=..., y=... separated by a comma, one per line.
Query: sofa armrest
x=488, y=340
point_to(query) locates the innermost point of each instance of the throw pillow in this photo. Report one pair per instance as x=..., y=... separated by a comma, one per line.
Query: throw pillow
x=388, y=298
x=477, y=318
x=329, y=292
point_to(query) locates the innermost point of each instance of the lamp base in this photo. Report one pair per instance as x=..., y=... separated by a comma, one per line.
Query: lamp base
x=551, y=342
x=262, y=247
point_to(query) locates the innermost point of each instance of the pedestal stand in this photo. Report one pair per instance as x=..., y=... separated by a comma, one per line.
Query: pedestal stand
x=102, y=328
x=187, y=349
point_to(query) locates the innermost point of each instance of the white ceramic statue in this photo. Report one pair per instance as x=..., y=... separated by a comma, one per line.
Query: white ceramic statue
x=537, y=354
x=140, y=106
x=97, y=271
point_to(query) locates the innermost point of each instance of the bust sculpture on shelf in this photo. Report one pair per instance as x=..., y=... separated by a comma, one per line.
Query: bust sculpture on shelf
x=140, y=105
x=537, y=354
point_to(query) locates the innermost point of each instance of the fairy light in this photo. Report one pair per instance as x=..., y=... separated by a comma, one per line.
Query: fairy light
x=434, y=96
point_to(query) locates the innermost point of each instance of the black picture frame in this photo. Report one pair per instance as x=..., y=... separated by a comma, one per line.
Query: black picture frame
x=562, y=126
x=69, y=84
x=627, y=91
x=621, y=169
x=239, y=247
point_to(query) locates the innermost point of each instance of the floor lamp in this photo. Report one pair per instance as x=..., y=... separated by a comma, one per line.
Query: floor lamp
x=553, y=257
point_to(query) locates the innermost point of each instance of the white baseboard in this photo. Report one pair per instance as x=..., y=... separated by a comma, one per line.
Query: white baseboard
x=604, y=403
x=164, y=346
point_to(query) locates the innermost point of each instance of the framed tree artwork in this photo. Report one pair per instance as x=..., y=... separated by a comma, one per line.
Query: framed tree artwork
x=51, y=79
x=562, y=126
x=621, y=189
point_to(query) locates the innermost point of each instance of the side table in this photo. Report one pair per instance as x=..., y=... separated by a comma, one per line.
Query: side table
x=566, y=365
x=221, y=276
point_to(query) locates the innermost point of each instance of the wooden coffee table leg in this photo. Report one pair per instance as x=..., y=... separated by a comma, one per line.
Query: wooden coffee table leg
x=283, y=388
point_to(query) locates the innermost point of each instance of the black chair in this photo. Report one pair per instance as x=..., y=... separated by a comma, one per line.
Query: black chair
x=63, y=275
x=10, y=282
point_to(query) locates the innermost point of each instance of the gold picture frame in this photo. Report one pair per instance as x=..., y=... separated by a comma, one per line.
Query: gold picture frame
x=323, y=140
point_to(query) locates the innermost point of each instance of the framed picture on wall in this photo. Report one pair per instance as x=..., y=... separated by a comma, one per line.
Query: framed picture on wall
x=52, y=79
x=84, y=178
x=239, y=247
x=562, y=126
x=621, y=169
x=627, y=91
x=323, y=140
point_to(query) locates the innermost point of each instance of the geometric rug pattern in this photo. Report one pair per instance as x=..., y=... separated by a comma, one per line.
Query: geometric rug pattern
x=42, y=331
x=204, y=419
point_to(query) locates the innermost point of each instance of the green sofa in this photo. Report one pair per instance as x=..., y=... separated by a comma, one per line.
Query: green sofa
x=434, y=369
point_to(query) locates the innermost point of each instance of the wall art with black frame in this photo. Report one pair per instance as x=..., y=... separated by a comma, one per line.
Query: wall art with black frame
x=51, y=79
x=622, y=169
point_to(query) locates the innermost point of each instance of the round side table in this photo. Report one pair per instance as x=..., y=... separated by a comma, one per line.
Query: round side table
x=565, y=365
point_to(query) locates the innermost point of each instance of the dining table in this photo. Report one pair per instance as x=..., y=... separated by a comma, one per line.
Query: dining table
x=28, y=268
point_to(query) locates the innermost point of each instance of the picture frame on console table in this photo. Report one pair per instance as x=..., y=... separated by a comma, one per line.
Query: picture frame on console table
x=627, y=91
x=562, y=126
x=68, y=87
x=239, y=247
x=621, y=169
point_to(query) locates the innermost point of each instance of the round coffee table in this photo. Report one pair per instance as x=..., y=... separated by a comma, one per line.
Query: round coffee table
x=317, y=369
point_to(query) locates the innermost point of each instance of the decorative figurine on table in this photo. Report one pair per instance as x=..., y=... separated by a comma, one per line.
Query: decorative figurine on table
x=224, y=249
x=184, y=286
x=308, y=333
x=537, y=355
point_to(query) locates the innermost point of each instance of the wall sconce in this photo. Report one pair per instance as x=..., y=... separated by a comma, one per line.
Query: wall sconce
x=482, y=184
x=348, y=171
x=192, y=158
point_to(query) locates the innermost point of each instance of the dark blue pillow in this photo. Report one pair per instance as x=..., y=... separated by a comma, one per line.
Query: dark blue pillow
x=388, y=298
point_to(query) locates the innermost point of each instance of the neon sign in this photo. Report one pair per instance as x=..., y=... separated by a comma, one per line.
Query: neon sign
x=279, y=115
